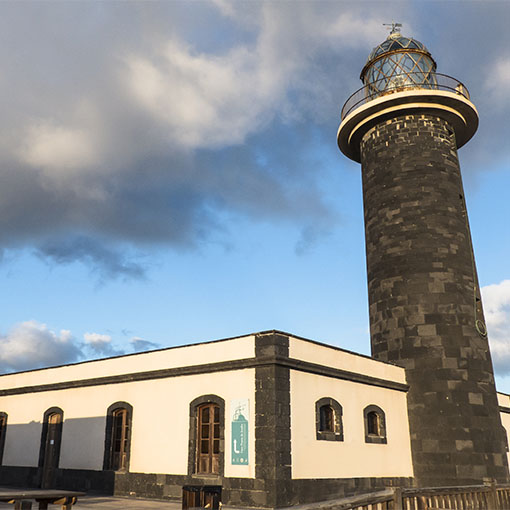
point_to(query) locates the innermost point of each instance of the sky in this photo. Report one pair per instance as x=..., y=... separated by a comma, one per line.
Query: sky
x=169, y=172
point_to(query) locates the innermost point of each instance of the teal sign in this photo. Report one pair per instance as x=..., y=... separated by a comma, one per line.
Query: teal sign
x=240, y=415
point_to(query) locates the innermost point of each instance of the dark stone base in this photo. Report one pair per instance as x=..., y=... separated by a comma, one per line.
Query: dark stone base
x=313, y=490
x=86, y=480
x=19, y=476
x=239, y=492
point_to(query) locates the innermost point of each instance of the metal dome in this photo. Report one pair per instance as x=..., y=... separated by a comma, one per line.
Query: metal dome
x=399, y=63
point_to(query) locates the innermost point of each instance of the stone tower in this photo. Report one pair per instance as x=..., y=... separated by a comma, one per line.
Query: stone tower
x=405, y=126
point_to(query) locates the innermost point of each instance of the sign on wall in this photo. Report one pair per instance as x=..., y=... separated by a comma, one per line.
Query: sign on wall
x=240, y=415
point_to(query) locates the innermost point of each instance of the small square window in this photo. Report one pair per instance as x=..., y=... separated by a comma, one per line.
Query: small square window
x=375, y=425
x=328, y=420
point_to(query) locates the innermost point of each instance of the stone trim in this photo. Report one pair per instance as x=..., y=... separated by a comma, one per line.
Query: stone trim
x=371, y=438
x=338, y=373
x=211, y=479
x=44, y=433
x=259, y=361
x=3, y=432
x=272, y=421
x=133, y=377
x=109, y=433
x=503, y=409
x=338, y=433
x=42, y=448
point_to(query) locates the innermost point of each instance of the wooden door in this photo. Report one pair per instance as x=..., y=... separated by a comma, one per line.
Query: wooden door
x=199, y=498
x=51, y=450
x=208, y=439
x=120, y=440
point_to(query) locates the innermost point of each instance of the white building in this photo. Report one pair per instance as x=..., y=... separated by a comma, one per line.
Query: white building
x=320, y=422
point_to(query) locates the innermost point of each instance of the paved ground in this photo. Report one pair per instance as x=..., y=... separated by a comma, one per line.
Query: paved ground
x=109, y=503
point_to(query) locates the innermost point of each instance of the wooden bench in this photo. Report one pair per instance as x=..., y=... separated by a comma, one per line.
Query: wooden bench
x=22, y=498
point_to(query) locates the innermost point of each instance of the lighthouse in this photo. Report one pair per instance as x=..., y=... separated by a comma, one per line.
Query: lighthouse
x=405, y=126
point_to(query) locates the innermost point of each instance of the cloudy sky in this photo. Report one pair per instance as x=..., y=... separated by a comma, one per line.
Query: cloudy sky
x=169, y=170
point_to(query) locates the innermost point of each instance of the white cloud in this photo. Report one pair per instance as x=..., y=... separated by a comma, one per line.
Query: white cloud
x=496, y=303
x=354, y=30
x=101, y=345
x=59, y=148
x=31, y=344
x=97, y=339
x=139, y=344
x=226, y=7
x=96, y=153
x=498, y=81
x=206, y=100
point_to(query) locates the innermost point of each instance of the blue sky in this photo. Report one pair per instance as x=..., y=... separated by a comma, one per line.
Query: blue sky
x=169, y=170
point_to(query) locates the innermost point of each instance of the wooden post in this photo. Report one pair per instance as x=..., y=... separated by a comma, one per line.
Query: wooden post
x=397, y=498
x=492, y=496
x=23, y=504
x=66, y=502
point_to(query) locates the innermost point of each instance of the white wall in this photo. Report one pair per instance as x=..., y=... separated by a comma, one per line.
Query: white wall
x=344, y=360
x=160, y=428
x=504, y=400
x=352, y=457
x=505, y=420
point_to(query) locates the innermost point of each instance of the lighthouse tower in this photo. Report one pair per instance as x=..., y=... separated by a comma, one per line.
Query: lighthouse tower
x=404, y=126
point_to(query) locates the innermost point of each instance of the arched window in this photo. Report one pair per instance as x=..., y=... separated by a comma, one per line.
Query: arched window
x=207, y=438
x=3, y=430
x=118, y=437
x=328, y=420
x=208, y=435
x=49, y=452
x=375, y=425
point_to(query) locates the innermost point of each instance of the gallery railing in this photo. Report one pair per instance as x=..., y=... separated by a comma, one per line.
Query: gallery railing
x=472, y=497
x=400, y=83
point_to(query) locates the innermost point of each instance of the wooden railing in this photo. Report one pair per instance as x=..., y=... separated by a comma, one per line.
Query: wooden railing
x=477, y=497
x=472, y=497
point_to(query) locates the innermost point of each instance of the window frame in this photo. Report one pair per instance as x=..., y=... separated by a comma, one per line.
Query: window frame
x=109, y=435
x=210, y=421
x=381, y=437
x=3, y=432
x=44, y=434
x=337, y=434
x=47, y=471
x=194, y=407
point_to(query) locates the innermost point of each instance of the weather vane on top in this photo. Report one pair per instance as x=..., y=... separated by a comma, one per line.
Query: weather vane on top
x=394, y=26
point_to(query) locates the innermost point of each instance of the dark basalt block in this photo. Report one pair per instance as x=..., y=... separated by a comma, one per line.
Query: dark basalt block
x=422, y=283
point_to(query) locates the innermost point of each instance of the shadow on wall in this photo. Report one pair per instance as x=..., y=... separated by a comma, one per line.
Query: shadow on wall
x=76, y=458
